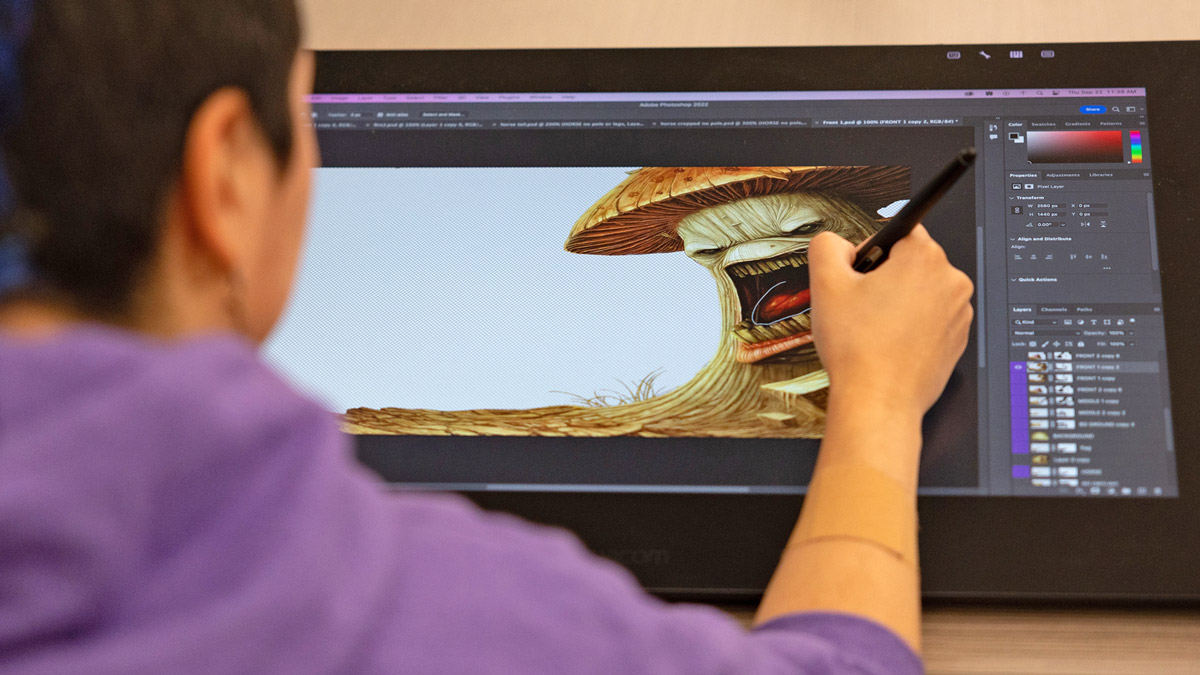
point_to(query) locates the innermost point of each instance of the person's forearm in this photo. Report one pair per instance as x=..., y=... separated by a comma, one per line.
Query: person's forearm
x=847, y=573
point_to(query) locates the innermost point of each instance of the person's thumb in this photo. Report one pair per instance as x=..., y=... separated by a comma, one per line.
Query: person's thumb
x=830, y=259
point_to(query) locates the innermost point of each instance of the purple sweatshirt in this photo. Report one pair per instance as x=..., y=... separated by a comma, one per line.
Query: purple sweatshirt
x=175, y=508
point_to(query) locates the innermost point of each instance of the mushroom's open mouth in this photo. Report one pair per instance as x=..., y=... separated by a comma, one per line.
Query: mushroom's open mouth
x=774, y=306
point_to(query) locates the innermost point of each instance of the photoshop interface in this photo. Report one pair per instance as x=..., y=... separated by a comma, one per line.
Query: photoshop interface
x=1072, y=385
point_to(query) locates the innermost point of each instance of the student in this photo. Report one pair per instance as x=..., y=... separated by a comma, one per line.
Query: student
x=168, y=505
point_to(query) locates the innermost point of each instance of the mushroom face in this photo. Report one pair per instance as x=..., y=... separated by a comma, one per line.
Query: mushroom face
x=757, y=250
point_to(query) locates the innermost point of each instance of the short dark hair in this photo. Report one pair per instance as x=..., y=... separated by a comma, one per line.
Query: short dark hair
x=109, y=89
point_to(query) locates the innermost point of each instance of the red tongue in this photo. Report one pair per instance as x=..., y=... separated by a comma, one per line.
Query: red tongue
x=782, y=305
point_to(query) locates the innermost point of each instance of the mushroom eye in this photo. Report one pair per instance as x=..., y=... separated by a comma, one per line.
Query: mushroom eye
x=806, y=228
x=702, y=252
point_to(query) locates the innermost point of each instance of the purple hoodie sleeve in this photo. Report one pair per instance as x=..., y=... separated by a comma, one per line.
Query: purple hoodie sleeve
x=500, y=595
x=179, y=509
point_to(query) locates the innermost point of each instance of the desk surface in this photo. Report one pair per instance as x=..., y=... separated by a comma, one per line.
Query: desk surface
x=960, y=640
x=1038, y=641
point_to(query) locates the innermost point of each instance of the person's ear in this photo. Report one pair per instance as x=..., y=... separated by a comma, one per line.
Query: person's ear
x=225, y=176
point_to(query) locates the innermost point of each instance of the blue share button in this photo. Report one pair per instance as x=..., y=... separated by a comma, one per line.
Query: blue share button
x=1092, y=109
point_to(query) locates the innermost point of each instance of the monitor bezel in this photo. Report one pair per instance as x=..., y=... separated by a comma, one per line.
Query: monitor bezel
x=706, y=546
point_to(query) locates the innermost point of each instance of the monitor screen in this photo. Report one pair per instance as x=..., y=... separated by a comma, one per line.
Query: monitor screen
x=609, y=291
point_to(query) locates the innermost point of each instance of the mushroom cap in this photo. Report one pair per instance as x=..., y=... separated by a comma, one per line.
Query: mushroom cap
x=642, y=214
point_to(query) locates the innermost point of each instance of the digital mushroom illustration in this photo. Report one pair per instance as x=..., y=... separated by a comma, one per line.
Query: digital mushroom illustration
x=751, y=228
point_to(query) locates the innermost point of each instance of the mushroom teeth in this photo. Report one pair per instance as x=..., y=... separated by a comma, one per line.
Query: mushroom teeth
x=773, y=297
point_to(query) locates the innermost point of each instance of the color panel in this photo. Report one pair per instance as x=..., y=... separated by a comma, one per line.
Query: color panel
x=1135, y=146
x=1076, y=147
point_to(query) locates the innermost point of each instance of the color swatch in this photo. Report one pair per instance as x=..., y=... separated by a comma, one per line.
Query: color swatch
x=1135, y=146
x=1076, y=147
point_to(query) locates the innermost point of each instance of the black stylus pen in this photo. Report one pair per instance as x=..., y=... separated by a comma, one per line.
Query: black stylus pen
x=876, y=250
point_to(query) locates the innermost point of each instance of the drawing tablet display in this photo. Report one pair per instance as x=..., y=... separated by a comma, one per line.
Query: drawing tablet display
x=574, y=285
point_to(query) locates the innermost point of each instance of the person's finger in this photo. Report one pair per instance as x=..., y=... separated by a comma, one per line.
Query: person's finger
x=919, y=233
x=920, y=247
x=966, y=287
x=830, y=257
x=916, y=240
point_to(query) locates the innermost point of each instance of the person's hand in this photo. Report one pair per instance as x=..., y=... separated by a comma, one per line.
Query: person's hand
x=893, y=335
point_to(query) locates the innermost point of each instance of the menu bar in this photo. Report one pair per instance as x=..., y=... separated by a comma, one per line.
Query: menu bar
x=682, y=98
